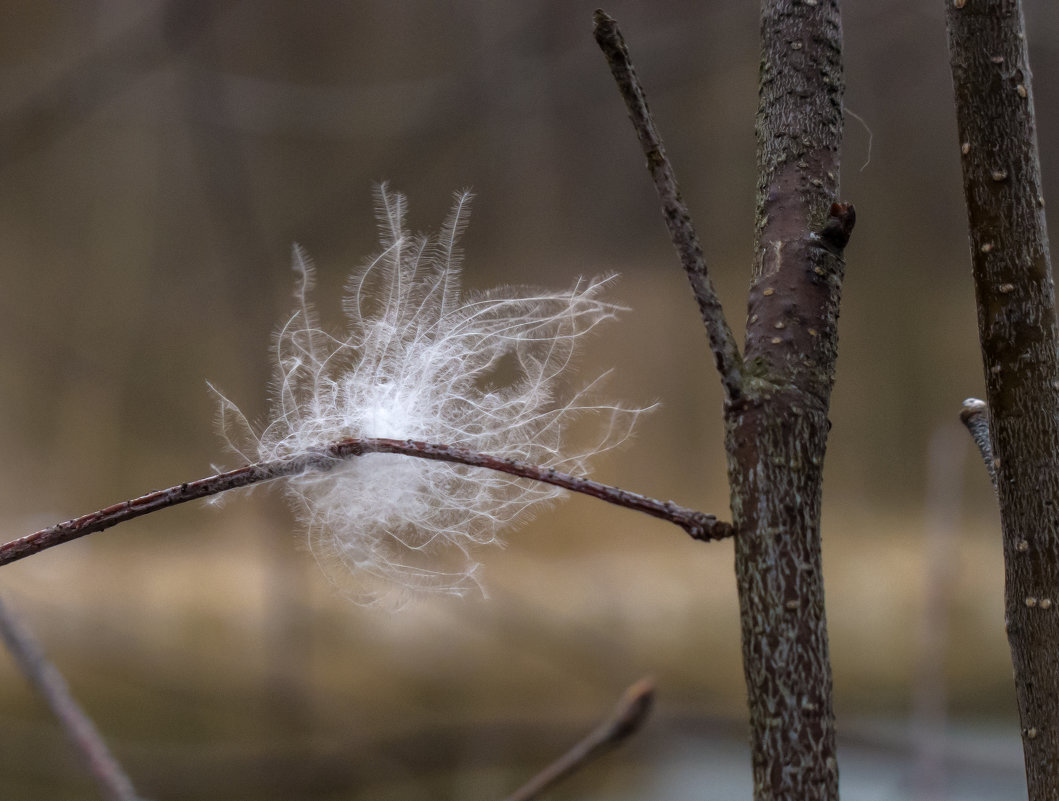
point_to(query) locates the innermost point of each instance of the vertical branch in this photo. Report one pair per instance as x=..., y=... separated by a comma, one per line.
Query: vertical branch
x=776, y=439
x=776, y=415
x=678, y=219
x=47, y=680
x=1018, y=330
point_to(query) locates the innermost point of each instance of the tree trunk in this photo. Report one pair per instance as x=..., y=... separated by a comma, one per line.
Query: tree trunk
x=777, y=431
x=777, y=394
x=1017, y=326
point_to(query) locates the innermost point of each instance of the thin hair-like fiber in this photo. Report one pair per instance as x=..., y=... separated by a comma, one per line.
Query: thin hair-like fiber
x=422, y=360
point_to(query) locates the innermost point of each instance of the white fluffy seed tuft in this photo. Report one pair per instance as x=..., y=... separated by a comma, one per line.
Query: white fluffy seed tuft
x=422, y=360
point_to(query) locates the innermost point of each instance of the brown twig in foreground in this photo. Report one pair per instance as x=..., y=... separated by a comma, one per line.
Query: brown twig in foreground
x=678, y=219
x=698, y=525
x=47, y=680
x=628, y=716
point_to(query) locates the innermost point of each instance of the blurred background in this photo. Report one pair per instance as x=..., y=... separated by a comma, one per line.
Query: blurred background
x=158, y=159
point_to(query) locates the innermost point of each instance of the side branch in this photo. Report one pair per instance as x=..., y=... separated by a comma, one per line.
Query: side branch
x=678, y=219
x=46, y=679
x=698, y=525
x=975, y=416
x=626, y=719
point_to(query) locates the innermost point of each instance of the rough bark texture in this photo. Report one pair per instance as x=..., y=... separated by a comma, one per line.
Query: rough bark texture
x=777, y=433
x=777, y=398
x=1017, y=325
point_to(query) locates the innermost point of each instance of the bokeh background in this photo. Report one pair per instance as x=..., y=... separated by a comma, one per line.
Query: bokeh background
x=157, y=160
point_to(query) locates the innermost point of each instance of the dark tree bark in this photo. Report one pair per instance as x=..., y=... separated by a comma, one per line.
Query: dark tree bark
x=1017, y=325
x=777, y=393
x=777, y=433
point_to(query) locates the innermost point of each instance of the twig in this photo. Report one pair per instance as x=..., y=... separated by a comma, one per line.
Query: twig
x=628, y=716
x=698, y=525
x=47, y=680
x=678, y=220
x=975, y=415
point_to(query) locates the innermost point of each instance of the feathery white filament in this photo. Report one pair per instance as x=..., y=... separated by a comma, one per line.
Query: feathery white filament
x=422, y=360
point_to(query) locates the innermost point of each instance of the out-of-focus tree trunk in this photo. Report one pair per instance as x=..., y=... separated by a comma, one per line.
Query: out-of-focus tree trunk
x=1017, y=326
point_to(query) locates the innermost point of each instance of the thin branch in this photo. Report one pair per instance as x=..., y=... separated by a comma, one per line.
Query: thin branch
x=1019, y=334
x=626, y=719
x=46, y=679
x=698, y=525
x=975, y=415
x=678, y=220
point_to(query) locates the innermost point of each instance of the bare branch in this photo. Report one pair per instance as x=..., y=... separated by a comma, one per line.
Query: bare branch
x=975, y=415
x=678, y=220
x=777, y=441
x=1019, y=333
x=626, y=719
x=698, y=525
x=46, y=679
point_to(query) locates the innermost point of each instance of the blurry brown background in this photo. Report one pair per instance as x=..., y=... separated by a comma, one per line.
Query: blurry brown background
x=158, y=159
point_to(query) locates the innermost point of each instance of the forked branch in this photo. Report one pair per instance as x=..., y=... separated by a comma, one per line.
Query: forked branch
x=698, y=525
x=678, y=219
